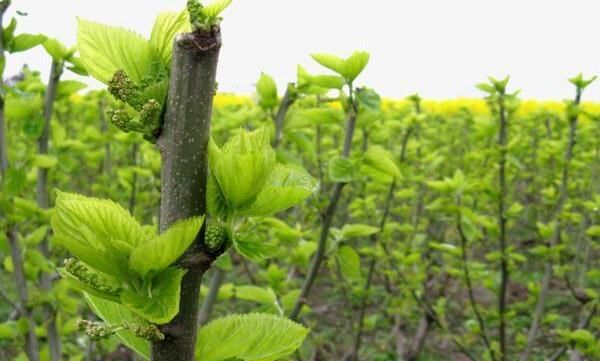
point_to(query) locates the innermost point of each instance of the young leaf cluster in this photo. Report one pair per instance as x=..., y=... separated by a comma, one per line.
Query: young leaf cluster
x=117, y=259
x=135, y=69
x=246, y=179
x=204, y=17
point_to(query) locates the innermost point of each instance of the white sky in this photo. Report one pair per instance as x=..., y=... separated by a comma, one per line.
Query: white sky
x=439, y=48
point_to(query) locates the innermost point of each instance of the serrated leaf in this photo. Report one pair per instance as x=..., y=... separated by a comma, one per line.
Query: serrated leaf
x=358, y=230
x=285, y=187
x=160, y=303
x=115, y=314
x=157, y=254
x=166, y=27
x=87, y=227
x=105, y=49
x=242, y=166
x=252, y=247
x=252, y=337
x=341, y=169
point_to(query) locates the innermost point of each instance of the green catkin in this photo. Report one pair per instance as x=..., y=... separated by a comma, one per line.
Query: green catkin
x=83, y=274
x=123, y=88
x=215, y=236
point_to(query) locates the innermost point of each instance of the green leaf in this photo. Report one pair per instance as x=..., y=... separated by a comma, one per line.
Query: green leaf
x=157, y=254
x=285, y=187
x=355, y=64
x=77, y=66
x=8, y=331
x=160, y=302
x=99, y=232
x=349, y=68
x=251, y=337
x=56, y=49
x=382, y=160
x=34, y=238
x=242, y=166
x=105, y=49
x=115, y=314
x=369, y=102
x=9, y=31
x=215, y=8
x=166, y=27
x=580, y=82
x=224, y=262
x=349, y=263
x=256, y=294
x=499, y=85
x=358, y=230
x=252, y=247
x=266, y=89
x=327, y=81
x=304, y=118
x=593, y=231
x=68, y=87
x=24, y=42
x=331, y=62
x=45, y=161
x=485, y=87
x=341, y=169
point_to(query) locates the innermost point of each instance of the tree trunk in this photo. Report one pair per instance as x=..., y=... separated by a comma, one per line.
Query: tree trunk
x=183, y=144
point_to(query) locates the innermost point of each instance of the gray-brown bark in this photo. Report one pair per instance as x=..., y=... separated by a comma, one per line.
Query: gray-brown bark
x=31, y=342
x=43, y=201
x=287, y=101
x=183, y=144
x=107, y=163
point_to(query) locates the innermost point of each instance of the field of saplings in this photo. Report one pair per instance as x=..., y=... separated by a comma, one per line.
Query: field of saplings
x=160, y=219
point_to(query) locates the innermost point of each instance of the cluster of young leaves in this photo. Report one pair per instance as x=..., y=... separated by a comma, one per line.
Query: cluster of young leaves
x=246, y=180
x=119, y=260
x=135, y=69
x=204, y=17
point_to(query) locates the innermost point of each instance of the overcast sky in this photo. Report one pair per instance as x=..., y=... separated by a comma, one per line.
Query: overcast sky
x=439, y=48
